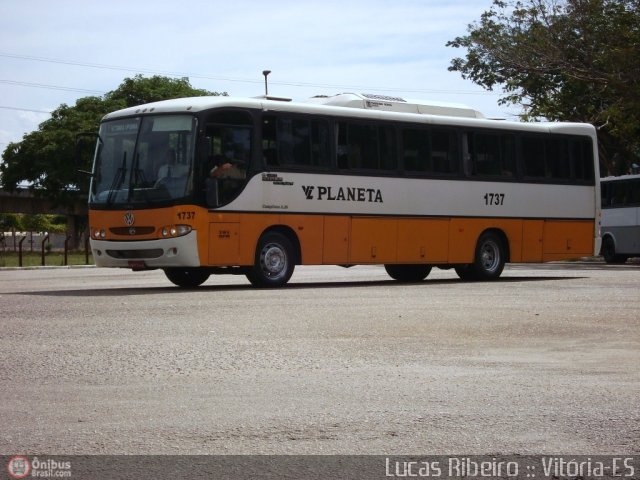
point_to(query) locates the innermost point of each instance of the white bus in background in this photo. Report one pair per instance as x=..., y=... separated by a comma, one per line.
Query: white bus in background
x=620, y=218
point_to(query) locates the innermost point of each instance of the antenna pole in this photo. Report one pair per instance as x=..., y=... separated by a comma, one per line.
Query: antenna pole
x=266, y=88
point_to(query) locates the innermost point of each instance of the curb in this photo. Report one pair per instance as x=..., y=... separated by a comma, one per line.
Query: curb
x=47, y=267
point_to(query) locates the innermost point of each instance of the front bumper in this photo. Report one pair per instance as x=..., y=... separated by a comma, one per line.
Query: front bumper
x=162, y=253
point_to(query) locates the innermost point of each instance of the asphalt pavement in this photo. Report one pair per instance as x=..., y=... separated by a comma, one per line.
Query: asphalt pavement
x=342, y=361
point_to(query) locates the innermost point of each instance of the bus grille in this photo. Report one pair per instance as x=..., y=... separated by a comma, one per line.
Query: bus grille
x=135, y=254
x=132, y=230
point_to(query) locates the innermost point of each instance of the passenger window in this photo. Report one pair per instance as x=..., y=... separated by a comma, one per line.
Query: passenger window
x=582, y=159
x=634, y=194
x=415, y=150
x=557, y=159
x=492, y=154
x=619, y=193
x=547, y=157
x=533, y=157
x=295, y=142
x=444, y=152
x=366, y=147
x=605, y=199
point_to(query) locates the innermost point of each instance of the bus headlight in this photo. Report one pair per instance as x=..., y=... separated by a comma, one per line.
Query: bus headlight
x=176, y=230
x=183, y=230
x=99, y=234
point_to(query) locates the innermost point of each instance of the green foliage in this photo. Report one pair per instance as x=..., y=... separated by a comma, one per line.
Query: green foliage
x=45, y=158
x=573, y=60
x=9, y=221
x=39, y=223
x=139, y=90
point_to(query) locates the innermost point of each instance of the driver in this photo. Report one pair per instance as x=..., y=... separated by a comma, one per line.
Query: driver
x=228, y=167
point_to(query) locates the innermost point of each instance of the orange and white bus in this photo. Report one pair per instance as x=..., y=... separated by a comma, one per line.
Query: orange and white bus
x=207, y=185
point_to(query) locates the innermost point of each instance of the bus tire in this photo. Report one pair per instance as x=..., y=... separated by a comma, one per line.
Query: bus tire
x=466, y=272
x=274, y=262
x=186, y=277
x=408, y=273
x=489, y=259
x=609, y=252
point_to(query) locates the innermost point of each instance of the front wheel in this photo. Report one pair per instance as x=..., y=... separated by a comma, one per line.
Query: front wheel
x=274, y=261
x=408, y=273
x=186, y=277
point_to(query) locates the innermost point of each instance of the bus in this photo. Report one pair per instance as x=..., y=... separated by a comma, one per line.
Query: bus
x=257, y=186
x=620, y=218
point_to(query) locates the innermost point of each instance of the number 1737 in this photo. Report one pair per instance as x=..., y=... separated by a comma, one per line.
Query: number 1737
x=494, y=198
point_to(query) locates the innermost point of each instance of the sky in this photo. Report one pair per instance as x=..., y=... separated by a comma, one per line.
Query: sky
x=54, y=52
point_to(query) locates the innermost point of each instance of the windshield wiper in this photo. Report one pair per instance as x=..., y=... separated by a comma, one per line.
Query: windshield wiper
x=138, y=179
x=118, y=179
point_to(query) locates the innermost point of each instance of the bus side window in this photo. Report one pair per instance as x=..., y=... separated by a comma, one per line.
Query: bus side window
x=492, y=154
x=634, y=193
x=533, y=156
x=342, y=147
x=269, y=141
x=320, y=143
x=228, y=136
x=619, y=193
x=582, y=159
x=444, y=151
x=604, y=194
x=366, y=146
x=415, y=150
x=557, y=158
x=487, y=155
x=295, y=141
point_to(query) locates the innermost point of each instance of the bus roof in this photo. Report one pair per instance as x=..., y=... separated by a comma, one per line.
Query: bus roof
x=365, y=106
x=363, y=101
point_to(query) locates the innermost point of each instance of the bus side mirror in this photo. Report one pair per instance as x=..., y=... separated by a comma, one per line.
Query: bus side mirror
x=85, y=147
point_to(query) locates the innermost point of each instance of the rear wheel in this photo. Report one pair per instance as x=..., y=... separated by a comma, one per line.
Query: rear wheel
x=609, y=252
x=274, y=261
x=489, y=259
x=186, y=277
x=408, y=273
x=466, y=272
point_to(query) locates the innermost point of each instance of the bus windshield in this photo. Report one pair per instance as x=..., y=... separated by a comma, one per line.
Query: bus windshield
x=143, y=161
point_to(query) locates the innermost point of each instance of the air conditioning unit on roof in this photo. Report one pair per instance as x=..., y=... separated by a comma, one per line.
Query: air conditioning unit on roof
x=397, y=104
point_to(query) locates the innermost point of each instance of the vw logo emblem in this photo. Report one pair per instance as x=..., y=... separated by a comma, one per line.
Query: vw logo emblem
x=129, y=218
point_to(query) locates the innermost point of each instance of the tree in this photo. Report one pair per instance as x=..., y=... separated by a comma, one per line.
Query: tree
x=45, y=158
x=573, y=60
x=10, y=222
x=139, y=90
x=43, y=223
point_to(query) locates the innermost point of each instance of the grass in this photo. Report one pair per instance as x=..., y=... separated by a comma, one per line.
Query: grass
x=34, y=259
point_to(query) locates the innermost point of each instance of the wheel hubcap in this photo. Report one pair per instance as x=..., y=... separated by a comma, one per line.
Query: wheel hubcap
x=273, y=260
x=490, y=256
